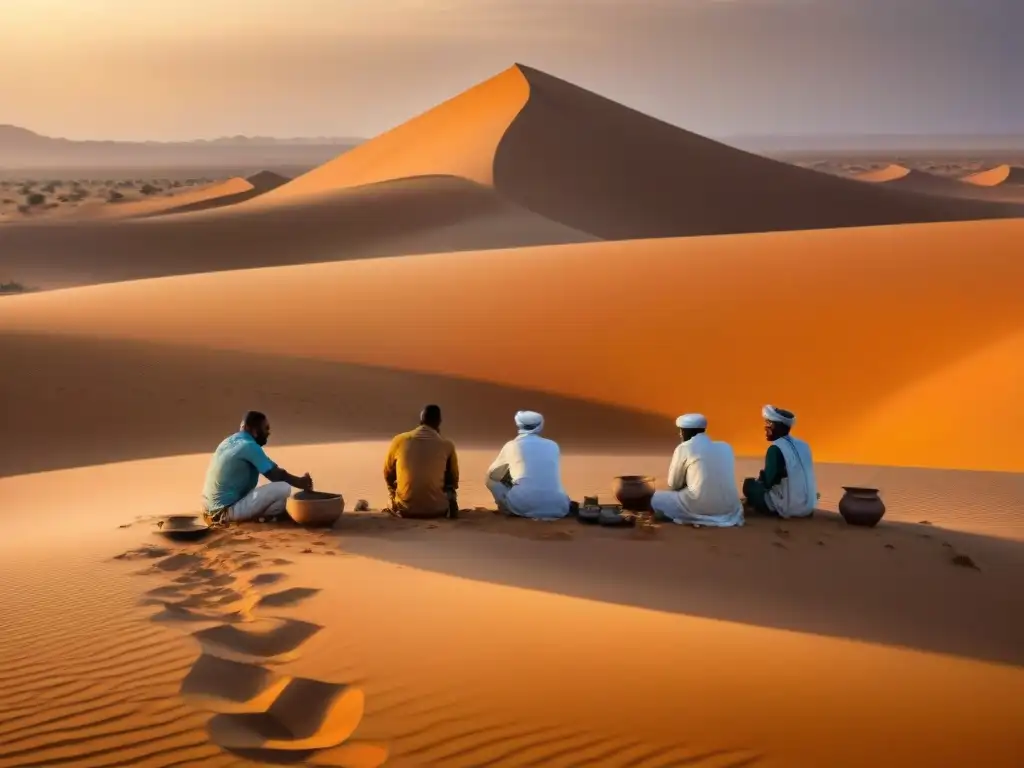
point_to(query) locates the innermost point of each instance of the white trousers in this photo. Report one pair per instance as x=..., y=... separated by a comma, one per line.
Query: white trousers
x=261, y=501
x=514, y=501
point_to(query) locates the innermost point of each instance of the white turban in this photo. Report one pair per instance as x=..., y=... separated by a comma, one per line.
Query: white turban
x=529, y=421
x=771, y=413
x=692, y=421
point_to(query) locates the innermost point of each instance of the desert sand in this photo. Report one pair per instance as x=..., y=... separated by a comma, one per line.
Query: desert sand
x=493, y=255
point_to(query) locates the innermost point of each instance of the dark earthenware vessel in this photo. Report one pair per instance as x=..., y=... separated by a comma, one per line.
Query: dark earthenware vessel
x=183, y=528
x=634, y=492
x=861, y=506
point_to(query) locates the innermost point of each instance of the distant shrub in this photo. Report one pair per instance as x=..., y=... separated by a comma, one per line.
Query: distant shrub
x=50, y=186
x=36, y=198
x=149, y=189
x=12, y=287
x=113, y=196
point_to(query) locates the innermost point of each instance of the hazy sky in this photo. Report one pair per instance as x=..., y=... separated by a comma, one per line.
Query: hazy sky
x=169, y=69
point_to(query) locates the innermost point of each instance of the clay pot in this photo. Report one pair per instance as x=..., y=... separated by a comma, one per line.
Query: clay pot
x=861, y=506
x=634, y=492
x=315, y=508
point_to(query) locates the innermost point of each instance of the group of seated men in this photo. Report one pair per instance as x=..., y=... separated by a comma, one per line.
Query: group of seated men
x=421, y=471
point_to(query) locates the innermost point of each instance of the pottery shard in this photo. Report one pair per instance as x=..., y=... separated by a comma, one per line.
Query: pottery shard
x=362, y=505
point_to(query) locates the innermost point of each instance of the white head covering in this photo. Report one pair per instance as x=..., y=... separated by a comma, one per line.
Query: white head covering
x=771, y=413
x=528, y=422
x=692, y=421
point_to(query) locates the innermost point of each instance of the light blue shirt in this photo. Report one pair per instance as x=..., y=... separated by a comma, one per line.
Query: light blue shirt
x=234, y=471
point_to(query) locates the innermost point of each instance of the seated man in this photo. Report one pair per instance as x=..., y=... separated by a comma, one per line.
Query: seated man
x=231, y=493
x=525, y=479
x=421, y=470
x=701, y=479
x=786, y=487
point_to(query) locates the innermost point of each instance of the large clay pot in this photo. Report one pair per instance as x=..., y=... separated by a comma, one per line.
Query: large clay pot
x=634, y=492
x=315, y=508
x=861, y=506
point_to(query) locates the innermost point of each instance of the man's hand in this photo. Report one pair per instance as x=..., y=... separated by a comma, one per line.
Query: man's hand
x=307, y=482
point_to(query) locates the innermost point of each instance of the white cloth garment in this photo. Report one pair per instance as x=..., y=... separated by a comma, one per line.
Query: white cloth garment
x=797, y=494
x=692, y=421
x=702, y=479
x=262, y=501
x=534, y=462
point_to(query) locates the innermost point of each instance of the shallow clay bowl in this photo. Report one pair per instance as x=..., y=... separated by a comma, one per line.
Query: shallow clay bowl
x=183, y=528
x=589, y=514
x=315, y=508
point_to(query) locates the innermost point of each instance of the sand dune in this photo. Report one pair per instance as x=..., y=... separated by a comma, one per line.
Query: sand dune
x=901, y=177
x=492, y=641
x=597, y=166
x=229, y=192
x=421, y=215
x=866, y=313
x=994, y=177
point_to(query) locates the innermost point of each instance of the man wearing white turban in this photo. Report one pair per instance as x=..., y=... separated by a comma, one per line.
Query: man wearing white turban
x=701, y=480
x=526, y=479
x=787, y=486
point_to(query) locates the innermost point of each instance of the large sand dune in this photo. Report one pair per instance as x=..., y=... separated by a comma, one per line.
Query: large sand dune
x=420, y=215
x=878, y=337
x=994, y=177
x=600, y=167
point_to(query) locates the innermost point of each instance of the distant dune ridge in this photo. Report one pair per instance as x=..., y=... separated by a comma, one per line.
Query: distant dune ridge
x=22, y=148
x=218, y=195
x=1002, y=174
x=913, y=180
x=598, y=166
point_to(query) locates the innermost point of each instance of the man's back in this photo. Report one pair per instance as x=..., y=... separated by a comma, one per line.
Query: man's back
x=234, y=470
x=423, y=464
x=711, y=471
x=534, y=461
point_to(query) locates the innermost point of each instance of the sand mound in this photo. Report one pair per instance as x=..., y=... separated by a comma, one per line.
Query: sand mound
x=1002, y=174
x=597, y=166
x=864, y=316
x=420, y=215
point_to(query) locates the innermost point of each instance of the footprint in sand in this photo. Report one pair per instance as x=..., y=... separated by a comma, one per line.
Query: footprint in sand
x=307, y=714
x=263, y=579
x=286, y=598
x=264, y=640
x=231, y=687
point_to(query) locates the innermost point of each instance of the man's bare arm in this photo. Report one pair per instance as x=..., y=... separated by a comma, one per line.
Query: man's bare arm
x=281, y=475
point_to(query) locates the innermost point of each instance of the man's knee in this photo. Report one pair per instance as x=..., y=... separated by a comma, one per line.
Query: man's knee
x=279, y=491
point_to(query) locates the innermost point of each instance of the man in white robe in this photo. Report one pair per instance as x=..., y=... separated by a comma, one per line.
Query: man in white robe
x=701, y=480
x=525, y=479
x=787, y=486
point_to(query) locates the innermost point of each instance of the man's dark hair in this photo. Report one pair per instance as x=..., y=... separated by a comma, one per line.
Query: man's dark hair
x=430, y=416
x=253, y=419
x=691, y=432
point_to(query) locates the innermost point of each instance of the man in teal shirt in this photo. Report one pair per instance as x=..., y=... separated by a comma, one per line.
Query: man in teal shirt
x=231, y=492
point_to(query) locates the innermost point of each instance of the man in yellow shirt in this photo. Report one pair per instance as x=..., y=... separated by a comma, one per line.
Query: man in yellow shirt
x=422, y=471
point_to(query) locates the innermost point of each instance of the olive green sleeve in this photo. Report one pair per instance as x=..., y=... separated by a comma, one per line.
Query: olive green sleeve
x=774, y=467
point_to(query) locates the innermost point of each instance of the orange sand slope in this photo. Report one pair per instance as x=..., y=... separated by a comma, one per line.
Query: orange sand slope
x=217, y=195
x=117, y=653
x=399, y=217
x=600, y=167
x=901, y=177
x=878, y=338
x=1001, y=174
